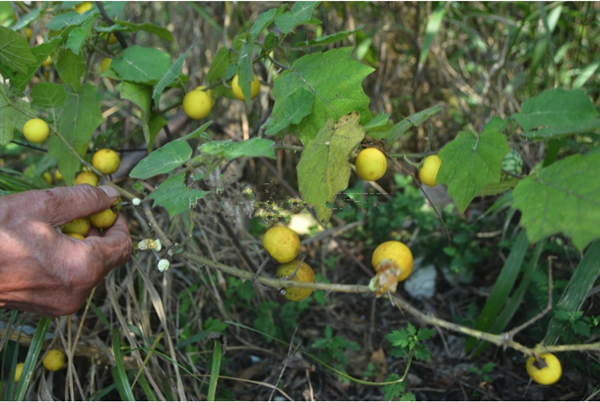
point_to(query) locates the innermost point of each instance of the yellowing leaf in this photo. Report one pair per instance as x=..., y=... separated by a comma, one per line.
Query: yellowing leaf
x=323, y=170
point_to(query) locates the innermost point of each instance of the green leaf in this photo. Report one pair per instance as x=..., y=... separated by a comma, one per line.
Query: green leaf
x=71, y=67
x=379, y=121
x=155, y=124
x=392, y=391
x=297, y=106
x=174, y=196
x=549, y=133
x=336, y=81
x=252, y=148
x=564, y=197
x=197, y=133
x=40, y=53
x=78, y=117
x=469, y=162
x=398, y=338
x=422, y=353
x=140, y=94
x=14, y=113
x=67, y=20
x=414, y=120
x=556, y=108
x=29, y=17
x=48, y=95
x=119, y=373
x=161, y=32
x=301, y=14
x=577, y=290
x=325, y=40
x=265, y=19
x=324, y=170
x=425, y=334
x=586, y=73
x=502, y=287
x=433, y=26
x=244, y=68
x=33, y=353
x=163, y=160
x=79, y=35
x=15, y=52
x=170, y=76
x=133, y=65
x=223, y=60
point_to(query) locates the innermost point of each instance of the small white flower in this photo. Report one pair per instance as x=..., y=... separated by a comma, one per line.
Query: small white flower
x=136, y=201
x=157, y=246
x=163, y=265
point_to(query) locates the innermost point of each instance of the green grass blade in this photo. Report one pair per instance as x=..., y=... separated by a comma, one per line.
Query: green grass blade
x=515, y=300
x=10, y=383
x=119, y=373
x=502, y=287
x=98, y=395
x=32, y=356
x=433, y=26
x=577, y=289
x=586, y=73
x=214, y=370
x=146, y=387
x=207, y=17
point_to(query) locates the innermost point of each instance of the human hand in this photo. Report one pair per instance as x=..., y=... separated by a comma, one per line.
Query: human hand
x=45, y=271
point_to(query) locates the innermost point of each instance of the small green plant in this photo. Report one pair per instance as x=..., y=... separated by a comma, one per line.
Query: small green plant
x=482, y=372
x=409, y=342
x=332, y=350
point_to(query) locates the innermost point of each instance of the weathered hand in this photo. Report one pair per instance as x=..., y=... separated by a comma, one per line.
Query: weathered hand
x=45, y=271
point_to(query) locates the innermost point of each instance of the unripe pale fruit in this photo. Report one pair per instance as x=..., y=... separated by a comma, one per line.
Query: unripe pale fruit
x=397, y=252
x=112, y=39
x=105, y=64
x=197, y=104
x=80, y=226
x=282, y=243
x=208, y=91
x=54, y=360
x=106, y=160
x=90, y=178
x=83, y=7
x=304, y=274
x=430, y=169
x=546, y=370
x=237, y=89
x=36, y=130
x=371, y=164
x=18, y=371
x=76, y=236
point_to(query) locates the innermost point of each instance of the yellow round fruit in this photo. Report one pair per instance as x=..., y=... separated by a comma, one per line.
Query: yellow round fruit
x=429, y=171
x=90, y=178
x=27, y=32
x=106, y=160
x=304, y=274
x=237, y=89
x=54, y=360
x=18, y=371
x=197, y=104
x=105, y=64
x=48, y=177
x=76, y=235
x=112, y=39
x=57, y=175
x=546, y=370
x=395, y=251
x=208, y=91
x=47, y=63
x=36, y=130
x=83, y=7
x=371, y=164
x=80, y=226
x=104, y=219
x=282, y=243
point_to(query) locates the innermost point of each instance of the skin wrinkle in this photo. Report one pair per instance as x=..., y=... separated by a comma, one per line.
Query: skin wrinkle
x=45, y=271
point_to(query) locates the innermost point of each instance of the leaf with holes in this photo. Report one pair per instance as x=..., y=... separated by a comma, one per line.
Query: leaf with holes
x=564, y=197
x=324, y=170
x=469, y=162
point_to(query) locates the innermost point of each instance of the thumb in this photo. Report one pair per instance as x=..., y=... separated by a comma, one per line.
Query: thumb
x=61, y=205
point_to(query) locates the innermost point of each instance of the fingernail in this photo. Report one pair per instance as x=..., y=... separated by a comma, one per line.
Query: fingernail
x=110, y=191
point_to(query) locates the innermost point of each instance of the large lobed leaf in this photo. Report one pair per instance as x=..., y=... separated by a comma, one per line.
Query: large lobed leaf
x=14, y=113
x=335, y=80
x=324, y=170
x=14, y=51
x=469, y=162
x=133, y=65
x=564, y=197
